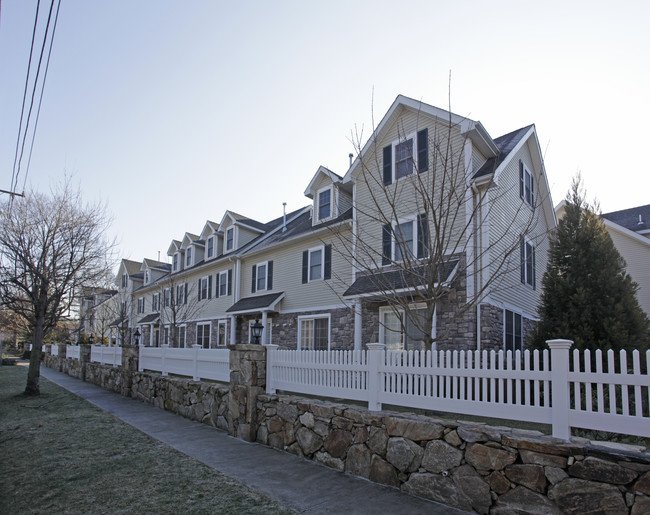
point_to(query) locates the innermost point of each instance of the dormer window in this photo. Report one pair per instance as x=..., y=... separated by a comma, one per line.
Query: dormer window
x=175, y=262
x=210, y=247
x=230, y=238
x=147, y=276
x=325, y=204
x=125, y=280
x=188, y=257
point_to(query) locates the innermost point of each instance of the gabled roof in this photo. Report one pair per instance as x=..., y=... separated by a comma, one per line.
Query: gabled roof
x=473, y=129
x=209, y=229
x=636, y=219
x=131, y=267
x=173, y=247
x=243, y=221
x=506, y=144
x=158, y=265
x=188, y=239
x=335, y=178
x=257, y=303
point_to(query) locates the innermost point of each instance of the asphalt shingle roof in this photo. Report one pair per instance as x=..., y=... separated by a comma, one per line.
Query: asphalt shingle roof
x=635, y=219
x=252, y=303
x=505, y=144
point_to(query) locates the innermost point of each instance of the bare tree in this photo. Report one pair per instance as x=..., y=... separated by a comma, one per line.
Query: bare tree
x=407, y=262
x=51, y=246
x=178, y=305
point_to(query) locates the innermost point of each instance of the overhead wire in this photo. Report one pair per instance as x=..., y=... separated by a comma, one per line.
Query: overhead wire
x=31, y=104
x=40, y=101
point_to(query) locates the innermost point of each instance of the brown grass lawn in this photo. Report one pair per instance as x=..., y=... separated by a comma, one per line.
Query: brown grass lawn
x=60, y=454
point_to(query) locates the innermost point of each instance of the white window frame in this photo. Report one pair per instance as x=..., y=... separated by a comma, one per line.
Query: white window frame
x=125, y=280
x=189, y=257
x=223, y=274
x=175, y=262
x=413, y=219
x=528, y=195
x=331, y=204
x=306, y=318
x=320, y=248
x=182, y=327
x=265, y=264
x=155, y=303
x=232, y=241
x=167, y=297
x=207, y=287
x=223, y=323
x=414, y=155
x=180, y=294
x=141, y=305
x=388, y=309
x=147, y=276
x=211, y=241
x=203, y=324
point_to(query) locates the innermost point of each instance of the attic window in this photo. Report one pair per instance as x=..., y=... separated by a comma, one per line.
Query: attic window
x=230, y=238
x=211, y=246
x=526, y=185
x=325, y=204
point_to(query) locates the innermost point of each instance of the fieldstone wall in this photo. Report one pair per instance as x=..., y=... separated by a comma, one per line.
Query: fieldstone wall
x=466, y=465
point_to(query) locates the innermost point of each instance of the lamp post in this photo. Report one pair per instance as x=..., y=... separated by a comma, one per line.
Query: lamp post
x=256, y=330
x=91, y=339
x=136, y=335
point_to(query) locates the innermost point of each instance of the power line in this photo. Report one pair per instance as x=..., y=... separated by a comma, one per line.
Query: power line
x=22, y=111
x=40, y=101
x=31, y=104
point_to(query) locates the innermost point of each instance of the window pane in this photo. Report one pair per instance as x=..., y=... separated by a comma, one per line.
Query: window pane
x=320, y=333
x=261, y=277
x=403, y=241
x=324, y=203
x=392, y=328
x=415, y=323
x=307, y=334
x=223, y=284
x=315, y=265
x=404, y=158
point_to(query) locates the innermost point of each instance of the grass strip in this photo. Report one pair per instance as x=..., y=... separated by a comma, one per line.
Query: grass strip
x=61, y=454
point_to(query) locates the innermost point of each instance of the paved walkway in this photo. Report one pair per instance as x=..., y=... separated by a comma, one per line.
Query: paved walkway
x=303, y=485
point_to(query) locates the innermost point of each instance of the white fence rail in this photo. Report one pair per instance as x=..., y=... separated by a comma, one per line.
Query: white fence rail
x=533, y=386
x=197, y=363
x=106, y=355
x=72, y=351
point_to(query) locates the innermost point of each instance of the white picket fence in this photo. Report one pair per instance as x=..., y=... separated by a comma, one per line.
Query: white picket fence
x=72, y=351
x=106, y=355
x=545, y=387
x=197, y=363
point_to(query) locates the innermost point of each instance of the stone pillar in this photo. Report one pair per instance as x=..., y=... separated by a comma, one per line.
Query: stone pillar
x=247, y=381
x=84, y=359
x=62, y=355
x=130, y=363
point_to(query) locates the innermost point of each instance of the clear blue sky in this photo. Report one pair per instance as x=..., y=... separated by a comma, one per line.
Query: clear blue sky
x=173, y=112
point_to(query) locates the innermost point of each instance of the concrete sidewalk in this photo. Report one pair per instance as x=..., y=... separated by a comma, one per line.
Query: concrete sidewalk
x=303, y=485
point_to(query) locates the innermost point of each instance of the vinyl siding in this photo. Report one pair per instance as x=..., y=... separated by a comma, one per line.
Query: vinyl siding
x=509, y=216
x=637, y=257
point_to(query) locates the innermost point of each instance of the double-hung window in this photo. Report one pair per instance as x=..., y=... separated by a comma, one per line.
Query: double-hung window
x=222, y=333
x=188, y=257
x=526, y=185
x=527, y=253
x=224, y=284
x=125, y=280
x=140, y=305
x=155, y=302
x=181, y=334
x=181, y=294
x=317, y=264
x=400, y=330
x=168, y=297
x=406, y=156
x=325, y=204
x=313, y=332
x=147, y=276
x=210, y=247
x=205, y=287
x=230, y=238
x=175, y=262
x=512, y=331
x=262, y=276
x=406, y=239
x=203, y=335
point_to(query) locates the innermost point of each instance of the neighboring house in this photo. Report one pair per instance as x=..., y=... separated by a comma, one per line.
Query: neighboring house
x=630, y=232
x=300, y=274
x=93, y=315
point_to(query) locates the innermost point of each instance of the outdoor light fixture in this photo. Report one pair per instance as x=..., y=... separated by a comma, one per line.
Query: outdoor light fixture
x=91, y=339
x=256, y=330
x=136, y=335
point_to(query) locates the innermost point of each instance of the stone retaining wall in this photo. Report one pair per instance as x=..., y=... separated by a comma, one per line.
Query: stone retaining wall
x=467, y=465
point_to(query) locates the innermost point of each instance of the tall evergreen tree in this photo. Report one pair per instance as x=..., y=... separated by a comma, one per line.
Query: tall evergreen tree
x=587, y=295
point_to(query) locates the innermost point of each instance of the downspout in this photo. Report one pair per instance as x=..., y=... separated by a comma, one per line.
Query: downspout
x=236, y=293
x=478, y=237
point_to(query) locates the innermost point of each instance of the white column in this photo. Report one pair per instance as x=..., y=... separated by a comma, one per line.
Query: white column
x=560, y=387
x=264, y=323
x=376, y=353
x=233, y=330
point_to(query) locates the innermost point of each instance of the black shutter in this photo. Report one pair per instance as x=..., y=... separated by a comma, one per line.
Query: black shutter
x=209, y=286
x=216, y=290
x=328, y=262
x=269, y=275
x=522, y=258
x=423, y=236
x=534, y=268
x=521, y=179
x=185, y=296
x=385, y=244
x=229, y=282
x=254, y=279
x=388, y=165
x=305, y=267
x=423, y=150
